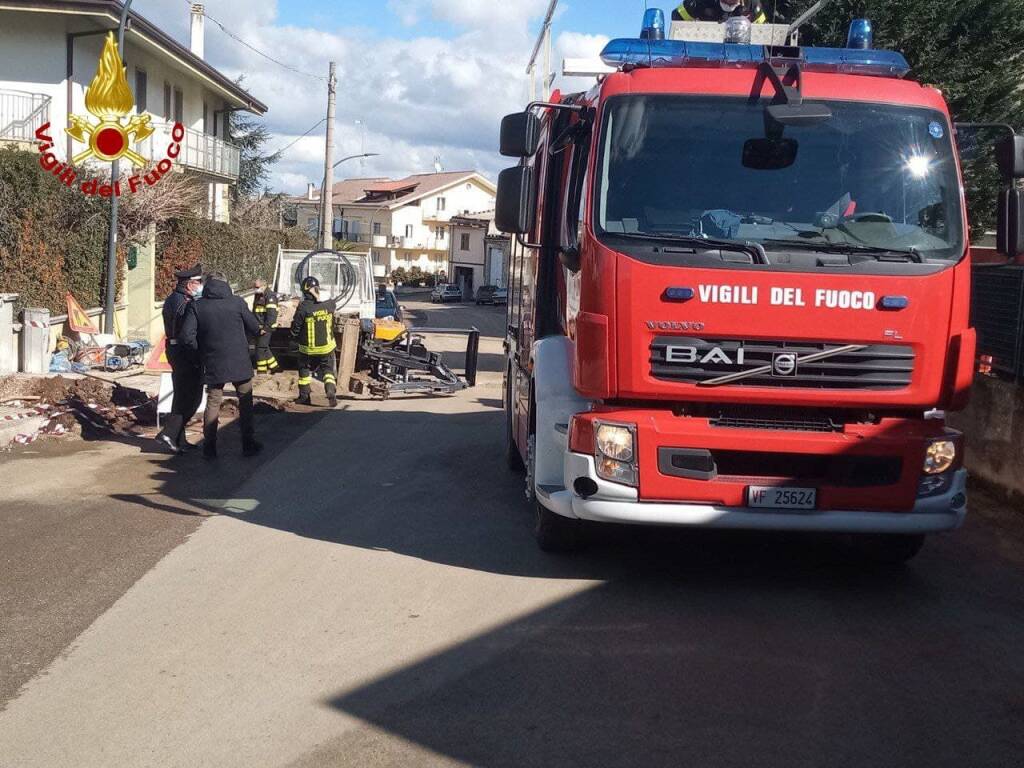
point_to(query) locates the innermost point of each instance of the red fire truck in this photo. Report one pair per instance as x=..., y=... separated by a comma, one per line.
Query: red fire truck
x=739, y=294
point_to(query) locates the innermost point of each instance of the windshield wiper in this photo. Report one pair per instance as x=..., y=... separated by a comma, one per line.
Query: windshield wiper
x=755, y=250
x=850, y=249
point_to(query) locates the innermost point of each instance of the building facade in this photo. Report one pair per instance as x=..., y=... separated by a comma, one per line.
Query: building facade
x=478, y=253
x=48, y=56
x=406, y=222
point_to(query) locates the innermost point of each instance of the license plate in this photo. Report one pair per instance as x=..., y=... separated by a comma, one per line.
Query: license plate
x=773, y=497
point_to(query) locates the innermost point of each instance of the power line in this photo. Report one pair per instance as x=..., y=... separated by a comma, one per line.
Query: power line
x=256, y=50
x=292, y=143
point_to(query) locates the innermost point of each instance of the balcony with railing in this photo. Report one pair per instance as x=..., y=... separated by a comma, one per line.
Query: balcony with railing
x=200, y=152
x=21, y=114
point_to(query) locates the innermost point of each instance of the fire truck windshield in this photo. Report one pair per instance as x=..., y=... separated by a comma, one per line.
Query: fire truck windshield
x=874, y=183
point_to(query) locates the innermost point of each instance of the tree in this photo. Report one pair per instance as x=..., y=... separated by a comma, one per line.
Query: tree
x=971, y=50
x=251, y=136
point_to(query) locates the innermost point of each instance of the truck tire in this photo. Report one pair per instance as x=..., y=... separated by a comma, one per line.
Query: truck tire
x=889, y=549
x=552, y=532
x=512, y=456
x=555, y=533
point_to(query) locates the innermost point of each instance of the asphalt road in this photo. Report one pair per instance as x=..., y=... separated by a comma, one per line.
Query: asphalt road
x=370, y=595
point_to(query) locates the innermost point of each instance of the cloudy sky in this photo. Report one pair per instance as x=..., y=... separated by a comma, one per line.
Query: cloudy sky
x=417, y=78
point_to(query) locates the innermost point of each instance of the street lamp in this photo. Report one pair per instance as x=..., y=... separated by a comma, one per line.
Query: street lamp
x=115, y=174
x=327, y=203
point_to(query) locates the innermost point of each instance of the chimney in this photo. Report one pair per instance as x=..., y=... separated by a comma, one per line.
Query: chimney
x=310, y=189
x=196, y=37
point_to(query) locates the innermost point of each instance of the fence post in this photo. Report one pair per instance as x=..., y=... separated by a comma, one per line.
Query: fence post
x=35, y=340
x=8, y=355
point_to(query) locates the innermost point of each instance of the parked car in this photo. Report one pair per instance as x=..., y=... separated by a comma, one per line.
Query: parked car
x=388, y=306
x=491, y=294
x=446, y=292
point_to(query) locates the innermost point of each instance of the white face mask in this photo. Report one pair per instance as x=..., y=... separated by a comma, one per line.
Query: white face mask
x=728, y=7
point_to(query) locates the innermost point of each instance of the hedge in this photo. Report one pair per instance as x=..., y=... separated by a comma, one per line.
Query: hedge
x=241, y=253
x=53, y=239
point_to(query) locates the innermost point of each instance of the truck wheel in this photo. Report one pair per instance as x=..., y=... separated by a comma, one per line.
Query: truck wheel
x=555, y=533
x=512, y=456
x=552, y=532
x=889, y=549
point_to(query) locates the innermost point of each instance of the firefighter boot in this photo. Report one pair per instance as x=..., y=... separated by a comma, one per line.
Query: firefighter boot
x=332, y=395
x=304, y=398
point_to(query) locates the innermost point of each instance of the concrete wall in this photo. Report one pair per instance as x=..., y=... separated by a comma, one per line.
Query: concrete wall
x=994, y=426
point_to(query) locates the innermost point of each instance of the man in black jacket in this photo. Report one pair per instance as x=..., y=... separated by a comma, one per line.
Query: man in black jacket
x=217, y=329
x=186, y=372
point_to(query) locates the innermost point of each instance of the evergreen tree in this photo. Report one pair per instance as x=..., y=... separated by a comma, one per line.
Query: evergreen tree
x=971, y=50
x=251, y=136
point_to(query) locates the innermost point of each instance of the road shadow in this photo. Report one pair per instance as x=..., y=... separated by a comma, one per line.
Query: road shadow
x=713, y=666
x=690, y=648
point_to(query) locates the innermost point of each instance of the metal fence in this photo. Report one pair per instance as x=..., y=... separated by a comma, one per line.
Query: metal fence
x=22, y=113
x=199, y=151
x=997, y=312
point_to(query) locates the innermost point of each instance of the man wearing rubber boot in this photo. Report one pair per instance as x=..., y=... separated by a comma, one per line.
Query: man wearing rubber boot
x=264, y=306
x=313, y=331
x=186, y=370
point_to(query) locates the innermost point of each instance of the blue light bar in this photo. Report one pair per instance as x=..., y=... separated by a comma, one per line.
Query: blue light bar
x=683, y=53
x=654, y=25
x=862, y=34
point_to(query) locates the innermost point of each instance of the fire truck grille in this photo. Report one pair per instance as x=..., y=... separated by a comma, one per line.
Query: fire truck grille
x=703, y=361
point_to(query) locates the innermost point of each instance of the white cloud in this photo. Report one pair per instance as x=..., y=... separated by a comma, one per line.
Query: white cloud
x=418, y=98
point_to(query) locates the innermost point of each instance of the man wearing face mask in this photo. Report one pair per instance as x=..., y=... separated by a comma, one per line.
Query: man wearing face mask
x=186, y=370
x=720, y=10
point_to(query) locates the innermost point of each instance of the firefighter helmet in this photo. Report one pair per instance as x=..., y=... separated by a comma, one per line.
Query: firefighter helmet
x=310, y=285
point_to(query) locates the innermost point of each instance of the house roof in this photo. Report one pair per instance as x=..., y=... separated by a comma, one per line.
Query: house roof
x=480, y=218
x=420, y=185
x=140, y=27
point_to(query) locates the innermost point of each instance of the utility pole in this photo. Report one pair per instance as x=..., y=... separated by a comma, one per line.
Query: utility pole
x=326, y=192
x=115, y=173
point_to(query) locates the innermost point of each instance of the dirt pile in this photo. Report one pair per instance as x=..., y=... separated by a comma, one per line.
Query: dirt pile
x=83, y=406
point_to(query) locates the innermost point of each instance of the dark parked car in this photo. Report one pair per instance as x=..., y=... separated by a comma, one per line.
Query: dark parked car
x=491, y=294
x=388, y=306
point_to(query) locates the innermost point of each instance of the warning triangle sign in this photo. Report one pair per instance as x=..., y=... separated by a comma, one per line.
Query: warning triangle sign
x=77, y=319
x=158, y=357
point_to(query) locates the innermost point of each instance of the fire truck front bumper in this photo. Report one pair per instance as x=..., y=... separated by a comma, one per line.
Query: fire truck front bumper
x=613, y=503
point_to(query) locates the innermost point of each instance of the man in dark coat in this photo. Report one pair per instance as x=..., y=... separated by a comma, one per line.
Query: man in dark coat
x=186, y=371
x=217, y=328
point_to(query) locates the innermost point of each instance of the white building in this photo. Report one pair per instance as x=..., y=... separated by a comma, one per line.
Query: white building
x=478, y=254
x=49, y=52
x=405, y=222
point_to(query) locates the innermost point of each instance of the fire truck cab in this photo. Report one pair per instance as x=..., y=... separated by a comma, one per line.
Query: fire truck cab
x=739, y=294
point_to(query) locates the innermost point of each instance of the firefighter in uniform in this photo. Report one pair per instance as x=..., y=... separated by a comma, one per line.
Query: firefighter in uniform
x=186, y=370
x=313, y=330
x=719, y=10
x=264, y=306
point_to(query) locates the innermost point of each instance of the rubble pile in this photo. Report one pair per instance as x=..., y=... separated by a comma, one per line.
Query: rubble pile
x=85, y=407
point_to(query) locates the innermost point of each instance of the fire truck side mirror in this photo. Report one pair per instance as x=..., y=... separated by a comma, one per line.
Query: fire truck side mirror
x=1010, y=156
x=514, y=207
x=1010, y=224
x=520, y=134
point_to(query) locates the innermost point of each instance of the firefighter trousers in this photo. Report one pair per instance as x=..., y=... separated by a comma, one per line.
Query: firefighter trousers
x=265, y=360
x=321, y=367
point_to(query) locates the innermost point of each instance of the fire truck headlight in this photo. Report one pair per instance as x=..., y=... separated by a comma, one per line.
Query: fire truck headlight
x=939, y=457
x=616, y=453
x=615, y=442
